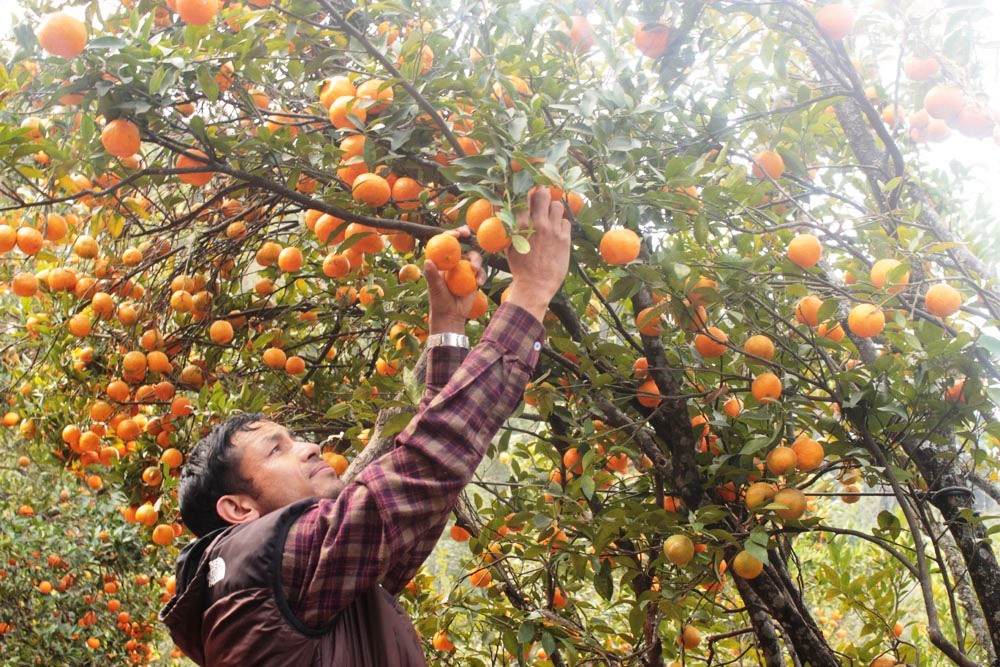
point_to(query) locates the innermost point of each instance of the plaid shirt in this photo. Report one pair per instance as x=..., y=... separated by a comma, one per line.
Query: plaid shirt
x=383, y=526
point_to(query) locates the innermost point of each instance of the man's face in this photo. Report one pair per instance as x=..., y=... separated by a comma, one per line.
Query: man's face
x=283, y=468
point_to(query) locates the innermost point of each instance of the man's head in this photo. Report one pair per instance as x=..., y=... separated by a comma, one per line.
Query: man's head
x=246, y=467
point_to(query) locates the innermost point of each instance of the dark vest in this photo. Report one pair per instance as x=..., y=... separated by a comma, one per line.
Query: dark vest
x=230, y=608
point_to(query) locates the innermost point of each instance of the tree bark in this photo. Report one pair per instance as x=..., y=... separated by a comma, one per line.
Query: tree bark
x=763, y=627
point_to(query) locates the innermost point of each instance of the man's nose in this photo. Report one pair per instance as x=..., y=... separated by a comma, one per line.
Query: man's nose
x=307, y=450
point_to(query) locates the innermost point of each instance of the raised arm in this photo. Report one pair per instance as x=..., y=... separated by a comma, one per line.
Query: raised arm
x=381, y=528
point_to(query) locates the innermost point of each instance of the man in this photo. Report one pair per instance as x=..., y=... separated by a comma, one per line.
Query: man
x=295, y=567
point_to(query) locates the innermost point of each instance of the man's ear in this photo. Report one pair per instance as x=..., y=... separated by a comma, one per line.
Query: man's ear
x=237, y=508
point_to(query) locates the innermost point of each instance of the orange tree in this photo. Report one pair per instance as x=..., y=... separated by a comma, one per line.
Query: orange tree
x=212, y=206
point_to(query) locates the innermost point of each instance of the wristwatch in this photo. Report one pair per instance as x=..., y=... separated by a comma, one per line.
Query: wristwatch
x=450, y=339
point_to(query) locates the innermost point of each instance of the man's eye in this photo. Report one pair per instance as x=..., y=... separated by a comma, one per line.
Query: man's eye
x=276, y=449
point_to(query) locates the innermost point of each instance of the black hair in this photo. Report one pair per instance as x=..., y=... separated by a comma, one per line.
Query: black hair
x=211, y=471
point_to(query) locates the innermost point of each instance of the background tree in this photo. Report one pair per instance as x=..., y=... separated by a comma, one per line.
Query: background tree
x=215, y=206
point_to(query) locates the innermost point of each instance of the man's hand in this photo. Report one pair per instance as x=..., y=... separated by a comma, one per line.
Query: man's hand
x=447, y=312
x=539, y=273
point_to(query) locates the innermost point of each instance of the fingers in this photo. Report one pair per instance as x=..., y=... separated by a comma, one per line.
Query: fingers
x=459, y=232
x=539, y=201
x=477, y=266
x=435, y=281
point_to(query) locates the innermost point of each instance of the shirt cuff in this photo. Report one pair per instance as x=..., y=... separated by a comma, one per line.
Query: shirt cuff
x=442, y=362
x=517, y=332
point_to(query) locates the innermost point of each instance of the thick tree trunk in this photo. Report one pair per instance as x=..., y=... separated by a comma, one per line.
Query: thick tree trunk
x=763, y=627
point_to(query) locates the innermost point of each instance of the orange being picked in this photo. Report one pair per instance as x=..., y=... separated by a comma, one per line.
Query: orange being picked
x=461, y=279
x=620, y=246
x=371, y=189
x=62, y=35
x=477, y=212
x=444, y=250
x=492, y=235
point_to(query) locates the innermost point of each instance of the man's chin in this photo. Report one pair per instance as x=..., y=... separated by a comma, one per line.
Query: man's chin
x=330, y=489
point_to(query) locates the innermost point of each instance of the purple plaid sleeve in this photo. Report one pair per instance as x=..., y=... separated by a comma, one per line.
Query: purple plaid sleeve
x=385, y=523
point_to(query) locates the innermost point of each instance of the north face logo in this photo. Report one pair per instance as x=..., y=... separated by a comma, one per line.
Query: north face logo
x=216, y=571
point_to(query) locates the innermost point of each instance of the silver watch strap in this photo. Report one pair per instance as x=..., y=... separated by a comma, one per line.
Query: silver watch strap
x=450, y=339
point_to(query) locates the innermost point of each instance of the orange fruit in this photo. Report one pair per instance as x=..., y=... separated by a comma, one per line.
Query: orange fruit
x=459, y=534
x=880, y=274
x=62, y=35
x=766, y=387
x=295, y=365
x=690, y=637
x=944, y=102
x=808, y=453
x=194, y=178
x=378, y=91
x=921, y=69
x=163, y=535
x=480, y=305
x=347, y=114
x=759, y=345
x=290, y=259
x=79, y=325
x=408, y=273
x=652, y=39
x=121, y=138
x=336, y=265
x=197, y=12
x=492, y=235
x=648, y=323
x=866, y=320
x=768, y=163
x=441, y=641
x=352, y=146
x=406, y=193
x=221, y=332
x=834, y=332
x=794, y=502
x=171, y=457
x=29, y=240
x=733, y=406
x=181, y=406
x=117, y=391
x=620, y=246
x=334, y=88
x=370, y=241
x=24, y=284
x=326, y=229
x=648, y=394
x=478, y=211
x=780, y=460
x=807, y=310
x=836, y=21
x=369, y=294
x=134, y=362
x=461, y=280
x=274, y=357
x=942, y=300
x=702, y=291
x=758, y=495
x=8, y=238
x=712, y=343
x=444, y=250
x=747, y=566
x=371, y=189
x=805, y=250
x=481, y=578
x=678, y=549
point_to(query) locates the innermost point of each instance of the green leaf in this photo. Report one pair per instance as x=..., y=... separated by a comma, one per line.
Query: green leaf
x=603, y=583
x=526, y=632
